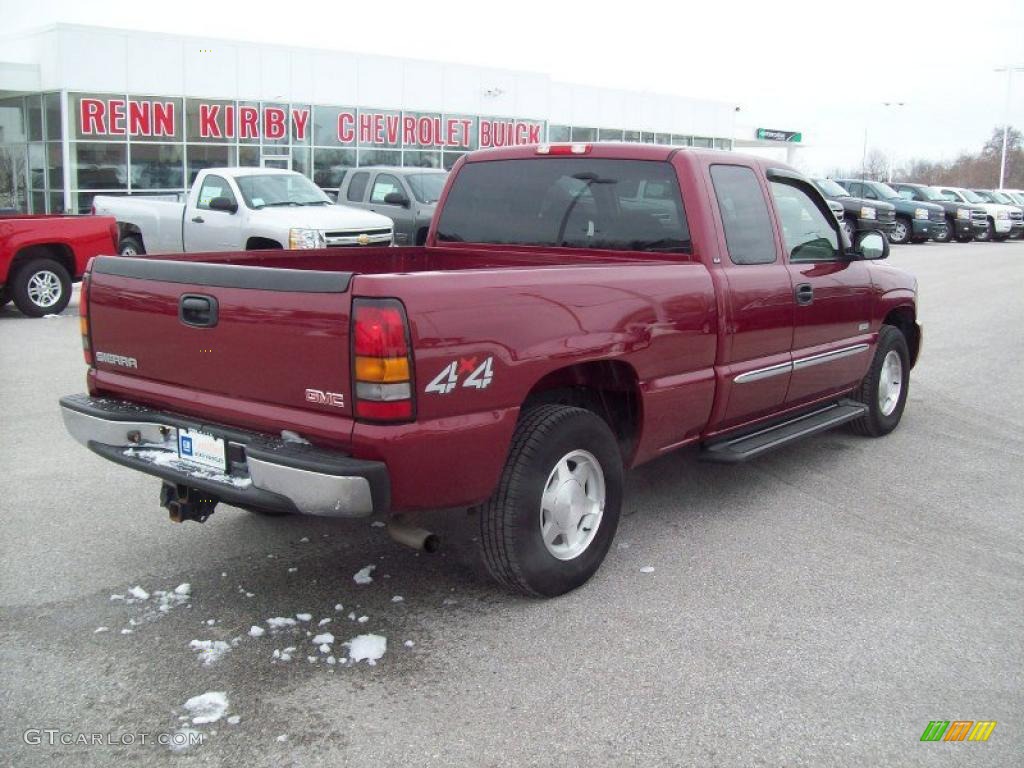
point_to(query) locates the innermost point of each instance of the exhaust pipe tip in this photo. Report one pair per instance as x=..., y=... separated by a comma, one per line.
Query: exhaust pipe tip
x=411, y=536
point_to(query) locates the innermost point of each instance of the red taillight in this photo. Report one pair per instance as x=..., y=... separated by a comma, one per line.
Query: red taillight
x=83, y=319
x=381, y=361
x=563, y=149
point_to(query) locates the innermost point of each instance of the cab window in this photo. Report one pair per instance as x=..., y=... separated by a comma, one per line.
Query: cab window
x=808, y=234
x=748, y=228
x=357, y=187
x=213, y=186
x=383, y=186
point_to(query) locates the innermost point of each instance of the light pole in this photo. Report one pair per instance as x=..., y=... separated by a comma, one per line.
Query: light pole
x=891, y=153
x=1009, y=70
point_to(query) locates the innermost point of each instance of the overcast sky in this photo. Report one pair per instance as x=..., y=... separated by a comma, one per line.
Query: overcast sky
x=823, y=67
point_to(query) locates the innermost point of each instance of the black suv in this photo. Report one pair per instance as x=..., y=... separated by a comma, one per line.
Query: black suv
x=964, y=221
x=858, y=214
x=915, y=222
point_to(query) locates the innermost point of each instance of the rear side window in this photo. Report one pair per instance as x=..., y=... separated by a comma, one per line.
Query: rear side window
x=748, y=228
x=577, y=202
x=357, y=188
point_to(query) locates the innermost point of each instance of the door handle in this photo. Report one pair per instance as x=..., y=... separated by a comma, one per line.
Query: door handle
x=197, y=311
x=804, y=294
x=198, y=219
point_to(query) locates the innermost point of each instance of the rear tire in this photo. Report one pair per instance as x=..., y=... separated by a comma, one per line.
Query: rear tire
x=41, y=287
x=130, y=246
x=884, y=389
x=553, y=516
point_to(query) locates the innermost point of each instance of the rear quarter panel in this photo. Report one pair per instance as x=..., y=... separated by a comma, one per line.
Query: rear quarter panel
x=657, y=318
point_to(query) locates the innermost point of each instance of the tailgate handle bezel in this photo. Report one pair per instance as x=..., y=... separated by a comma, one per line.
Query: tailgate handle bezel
x=197, y=310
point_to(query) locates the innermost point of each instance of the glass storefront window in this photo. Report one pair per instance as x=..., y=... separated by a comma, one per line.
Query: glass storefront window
x=450, y=158
x=99, y=166
x=207, y=156
x=334, y=126
x=379, y=157
x=379, y=128
x=51, y=103
x=34, y=105
x=609, y=134
x=331, y=165
x=465, y=132
x=55, y=166
x=422, y=159
x=663, y=138
x=273, y=123
x=631, y=136
x=84, y=200
x=558, y=133
x=647, y=137
x=98, y=116
x=583, y=134
x=37, y=166
x=723, y=144
x=249, y=156
x=12, y=121
x=680, y=141
x=56, y=202
x=300, y=160
x=157, y=119
x=700, y=141
x=157, y=166
x=13, y=164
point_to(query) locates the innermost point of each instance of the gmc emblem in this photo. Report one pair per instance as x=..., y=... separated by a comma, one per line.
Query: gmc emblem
x=334, y=399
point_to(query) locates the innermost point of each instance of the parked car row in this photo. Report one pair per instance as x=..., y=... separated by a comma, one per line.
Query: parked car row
x=913, y=213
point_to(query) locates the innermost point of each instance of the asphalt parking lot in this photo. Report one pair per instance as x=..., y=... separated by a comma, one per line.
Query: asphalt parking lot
x=816, y=607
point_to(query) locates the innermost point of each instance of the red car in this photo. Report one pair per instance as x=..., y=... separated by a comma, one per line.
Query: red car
x=41, y=256
x=577, y=310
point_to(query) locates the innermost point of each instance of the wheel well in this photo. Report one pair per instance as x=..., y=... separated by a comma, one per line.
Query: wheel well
x=261, y=244
x=125, y=229
x=903, y=319
x=608, y=388
x=59, y=252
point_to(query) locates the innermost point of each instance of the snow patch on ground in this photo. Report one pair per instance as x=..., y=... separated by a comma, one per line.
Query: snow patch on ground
x=397, y=599
x=304, y=616
x=138, y=593
x=368, y=648
x=234, y=720
x=256, y=631
x=210, y=651
x=293, y=437
x=647, y=569
x=184, y=739
x=280, y=622
x=363, y=575
x=326, y=637
x=207, y=707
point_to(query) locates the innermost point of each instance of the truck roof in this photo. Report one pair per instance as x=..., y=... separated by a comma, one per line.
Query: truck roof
x=247, y=170
x=616, y=150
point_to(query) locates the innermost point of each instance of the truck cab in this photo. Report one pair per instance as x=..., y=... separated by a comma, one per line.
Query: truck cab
x=406, y=195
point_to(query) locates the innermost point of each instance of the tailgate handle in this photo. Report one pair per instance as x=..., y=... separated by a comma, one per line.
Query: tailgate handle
x=198, y=311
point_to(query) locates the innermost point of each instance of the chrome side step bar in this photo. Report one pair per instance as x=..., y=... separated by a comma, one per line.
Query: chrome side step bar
x=733, y=450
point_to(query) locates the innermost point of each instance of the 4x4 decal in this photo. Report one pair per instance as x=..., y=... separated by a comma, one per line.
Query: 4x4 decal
x=480, y=376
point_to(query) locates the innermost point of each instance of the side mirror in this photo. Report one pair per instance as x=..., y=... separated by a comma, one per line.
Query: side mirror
x=396, y=198
x=223, y=204
x=871, y=245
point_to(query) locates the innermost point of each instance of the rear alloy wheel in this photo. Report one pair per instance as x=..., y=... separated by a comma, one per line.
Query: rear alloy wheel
x=884, y=390
x=42, y=287
x=900, y=233
x=550, y=522
x=130, y=247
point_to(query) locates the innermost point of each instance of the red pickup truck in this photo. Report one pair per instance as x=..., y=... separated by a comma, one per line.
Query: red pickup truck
x=577, y=310
x=41, y=256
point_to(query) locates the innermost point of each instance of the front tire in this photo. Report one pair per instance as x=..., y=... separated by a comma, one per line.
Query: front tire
x=549, y=524
x=41, y=287
x=901, y=232
x=944, y=235
x=884, y=389
x=850, y=227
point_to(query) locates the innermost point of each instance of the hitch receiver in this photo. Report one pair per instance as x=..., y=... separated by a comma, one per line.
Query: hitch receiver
x=184, y=503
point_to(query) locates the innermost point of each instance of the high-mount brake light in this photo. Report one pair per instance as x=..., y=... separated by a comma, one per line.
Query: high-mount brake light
x=381, y=360
x=563, y=149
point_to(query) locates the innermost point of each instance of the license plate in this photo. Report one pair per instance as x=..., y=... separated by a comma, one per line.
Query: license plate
x=202, y=449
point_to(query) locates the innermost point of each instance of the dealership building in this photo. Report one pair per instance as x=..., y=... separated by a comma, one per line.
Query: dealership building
x=88, y=110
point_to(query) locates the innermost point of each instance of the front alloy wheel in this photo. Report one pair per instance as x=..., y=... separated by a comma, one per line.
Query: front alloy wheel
x=900, y=232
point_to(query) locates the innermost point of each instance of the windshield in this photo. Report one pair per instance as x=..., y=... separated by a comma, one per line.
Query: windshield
x=578, y=202
x=280, y=189
x=885, y=191
x=830, y=188
x=999, y=197
x=1017, y=197
x=931, y=193
x=970, y=197
x=426, y=187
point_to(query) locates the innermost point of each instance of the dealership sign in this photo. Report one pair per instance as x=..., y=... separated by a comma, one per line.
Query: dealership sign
x=772, y=134
x=227, y=121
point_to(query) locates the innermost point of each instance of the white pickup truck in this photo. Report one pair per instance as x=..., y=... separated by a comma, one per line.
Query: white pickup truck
x=232, y=209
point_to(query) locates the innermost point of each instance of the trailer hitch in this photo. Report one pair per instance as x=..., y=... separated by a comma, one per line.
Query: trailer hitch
x=184, y=503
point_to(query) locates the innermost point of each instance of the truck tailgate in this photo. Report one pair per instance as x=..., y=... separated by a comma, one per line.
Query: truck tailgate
x=251, y=336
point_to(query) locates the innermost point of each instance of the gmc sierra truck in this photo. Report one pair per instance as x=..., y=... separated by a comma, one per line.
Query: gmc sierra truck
x=241, y=209
x=577, y=310
x=42, y=255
